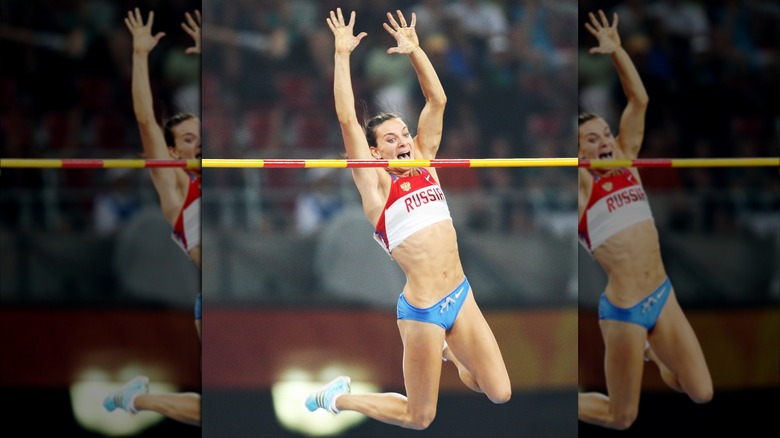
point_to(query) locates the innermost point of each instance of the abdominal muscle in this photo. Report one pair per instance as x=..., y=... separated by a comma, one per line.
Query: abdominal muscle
x=431, y=262
x=632, y=260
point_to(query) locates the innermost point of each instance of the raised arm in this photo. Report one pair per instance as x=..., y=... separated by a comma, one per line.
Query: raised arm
x=143, y=43
x=354, y=137
x=152, y=139
x=632, y=121
x=366, y=179
x=430, y=125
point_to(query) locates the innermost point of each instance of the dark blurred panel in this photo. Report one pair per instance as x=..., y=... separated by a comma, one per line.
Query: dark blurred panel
x=711, y=72
x=89, y=276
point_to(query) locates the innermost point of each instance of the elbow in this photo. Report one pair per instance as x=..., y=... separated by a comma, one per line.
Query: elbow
x=438, y=99
x=346, y=118
x=641, y=99
x=145, y=120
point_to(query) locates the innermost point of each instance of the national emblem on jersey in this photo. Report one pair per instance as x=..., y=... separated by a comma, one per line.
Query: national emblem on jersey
x=414, y=202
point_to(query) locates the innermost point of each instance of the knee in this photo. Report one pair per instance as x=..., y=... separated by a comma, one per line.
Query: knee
x=420, y=420
x=702, y=396
x=501, y=396
x=624, y=419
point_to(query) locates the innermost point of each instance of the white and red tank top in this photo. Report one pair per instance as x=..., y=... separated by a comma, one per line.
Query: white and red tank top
x=186, y=230
x=616, y=202
x=414, y=203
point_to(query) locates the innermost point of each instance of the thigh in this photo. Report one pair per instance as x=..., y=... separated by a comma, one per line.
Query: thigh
x=473, y=343
x=422, y=363
x=624, y=345
x=675, y=344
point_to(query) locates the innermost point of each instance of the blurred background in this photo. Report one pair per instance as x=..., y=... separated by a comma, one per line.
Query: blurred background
x=295, y=289
x=92, y=288
x=712, y=72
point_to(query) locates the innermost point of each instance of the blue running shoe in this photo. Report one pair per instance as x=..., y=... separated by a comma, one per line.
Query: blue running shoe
x=123, y=397
x=323, y=398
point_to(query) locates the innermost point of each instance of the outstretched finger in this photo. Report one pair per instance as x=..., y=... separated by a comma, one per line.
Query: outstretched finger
x=401, y=18
x=129, y=19
x=190, y=30
x=330, y=24
x=151, y=19
x=593, y=21
x=614, y=20
x=351, y=19
x=340, y=16
x=191, y=21
x=135, y=17
x=414, y=20
x=591, y=29
x=392, y=21
x=603, y=16
x=197, y=15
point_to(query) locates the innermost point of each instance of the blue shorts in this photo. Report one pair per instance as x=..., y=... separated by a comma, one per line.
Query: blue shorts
x=644, y=313
x=198, y=308
x=442, y=313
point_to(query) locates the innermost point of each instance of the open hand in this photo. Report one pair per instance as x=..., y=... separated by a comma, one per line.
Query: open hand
x=405, y=36
x=192, y=27
x=607, y=36
x=345, y=41
x=143, y=40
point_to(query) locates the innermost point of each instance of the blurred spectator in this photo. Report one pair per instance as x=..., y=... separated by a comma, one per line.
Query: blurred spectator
x=64, y=93
x=118, y=202
x=319, y=202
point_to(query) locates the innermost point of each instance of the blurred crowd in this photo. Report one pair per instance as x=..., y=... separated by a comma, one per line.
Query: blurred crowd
x=512, y=71
x=65, y=93
x=508, y=68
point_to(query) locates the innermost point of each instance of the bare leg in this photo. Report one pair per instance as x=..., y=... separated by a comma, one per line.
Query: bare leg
x=676, y=351
x=182, y=407
x=464, y=373
x=623, y=366
x=666, y=374
x=475, y=352
x=422, y=372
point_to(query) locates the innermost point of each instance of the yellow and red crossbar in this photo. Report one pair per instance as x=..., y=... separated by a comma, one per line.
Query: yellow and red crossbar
x=86, y=163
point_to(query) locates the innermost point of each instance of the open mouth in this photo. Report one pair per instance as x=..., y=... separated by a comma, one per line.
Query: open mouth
x=198, y=156
x=405, y=156
x=605, y=156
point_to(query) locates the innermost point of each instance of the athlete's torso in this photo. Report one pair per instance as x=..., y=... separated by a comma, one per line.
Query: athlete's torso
x=618, y=229
x=429, y=258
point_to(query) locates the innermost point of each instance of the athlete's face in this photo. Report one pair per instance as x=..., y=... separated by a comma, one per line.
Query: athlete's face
x=595, y=140
x=393, y=141
x=186, y=136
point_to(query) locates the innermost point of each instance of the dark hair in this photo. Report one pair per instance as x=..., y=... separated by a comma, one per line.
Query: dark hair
x=585, y=118
x=172, y=123
x=373, y=122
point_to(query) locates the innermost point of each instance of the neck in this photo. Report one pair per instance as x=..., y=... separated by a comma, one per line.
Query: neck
x=605, y=171
x=400, y=171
